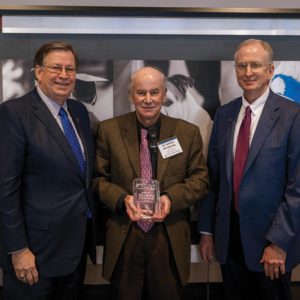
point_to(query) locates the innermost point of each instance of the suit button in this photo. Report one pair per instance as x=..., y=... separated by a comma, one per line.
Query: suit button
x=88, y=213
x=228, y=212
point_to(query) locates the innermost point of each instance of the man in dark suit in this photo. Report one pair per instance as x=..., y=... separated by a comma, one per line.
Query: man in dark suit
x=46, y=208
x=153, y=264
x=252, y=211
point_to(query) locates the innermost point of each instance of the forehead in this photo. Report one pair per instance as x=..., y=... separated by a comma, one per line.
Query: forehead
x=254, y=50
x=148, y=79
x=60, y=55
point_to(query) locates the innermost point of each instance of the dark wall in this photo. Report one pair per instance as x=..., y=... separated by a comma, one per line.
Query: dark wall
x=146, y=46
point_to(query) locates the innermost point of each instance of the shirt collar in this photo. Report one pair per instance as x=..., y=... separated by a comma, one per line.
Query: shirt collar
x=256, y=105
x=140, y=125
x=52, y=105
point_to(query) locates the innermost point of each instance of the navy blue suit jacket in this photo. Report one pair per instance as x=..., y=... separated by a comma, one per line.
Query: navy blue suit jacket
x=269, y=195
x=43, y=195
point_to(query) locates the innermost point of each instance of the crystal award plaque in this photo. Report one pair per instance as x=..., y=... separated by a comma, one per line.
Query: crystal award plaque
x=146, y=195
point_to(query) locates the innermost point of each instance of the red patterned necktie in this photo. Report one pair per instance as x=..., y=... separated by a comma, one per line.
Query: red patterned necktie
x=146, y=172
x=241, y=154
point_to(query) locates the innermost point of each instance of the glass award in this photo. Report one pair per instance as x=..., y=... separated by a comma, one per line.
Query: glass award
x=146, y=195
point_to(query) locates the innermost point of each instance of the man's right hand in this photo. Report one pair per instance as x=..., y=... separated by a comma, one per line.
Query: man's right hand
x=206, y=247
x=131, y=210
x=24, y=265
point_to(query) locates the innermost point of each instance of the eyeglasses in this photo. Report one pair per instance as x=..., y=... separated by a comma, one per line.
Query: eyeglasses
x=254, y=66
x=57, y=69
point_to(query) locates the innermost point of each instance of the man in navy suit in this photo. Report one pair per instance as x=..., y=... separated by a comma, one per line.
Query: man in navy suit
x=252, y=211
x=46, y=208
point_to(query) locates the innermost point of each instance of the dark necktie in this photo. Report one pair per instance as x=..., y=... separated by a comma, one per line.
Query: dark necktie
x=241, y=155
x=146, y=172
x=72, y=138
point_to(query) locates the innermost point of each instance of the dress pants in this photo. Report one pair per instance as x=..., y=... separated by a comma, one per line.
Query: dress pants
x=68, y=287
x=242, y=284
x=146, y=267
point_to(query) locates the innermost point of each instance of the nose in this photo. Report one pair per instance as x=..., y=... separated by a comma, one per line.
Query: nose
x=63, y=73
x=249, y=71
x=148, y=98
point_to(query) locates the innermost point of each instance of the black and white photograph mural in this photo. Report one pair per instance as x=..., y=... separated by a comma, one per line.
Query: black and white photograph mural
x=195, y=88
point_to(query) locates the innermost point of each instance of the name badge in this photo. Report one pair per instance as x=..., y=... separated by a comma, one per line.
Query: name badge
x=169, y=147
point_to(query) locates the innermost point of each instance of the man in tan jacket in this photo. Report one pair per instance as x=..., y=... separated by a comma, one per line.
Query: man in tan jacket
x=154, y=263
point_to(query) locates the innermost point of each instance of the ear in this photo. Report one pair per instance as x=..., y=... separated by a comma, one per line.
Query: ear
x=38, y=71
x=165, y=94
x=271, y=70
x=129, y=95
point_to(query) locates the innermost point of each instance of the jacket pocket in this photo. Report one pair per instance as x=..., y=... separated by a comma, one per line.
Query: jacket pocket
x=38, y=223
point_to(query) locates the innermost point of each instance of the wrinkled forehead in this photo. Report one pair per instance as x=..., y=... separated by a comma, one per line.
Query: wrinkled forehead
x=58, y=55
x=147, y=81
x=254, y=49
x=148, y=74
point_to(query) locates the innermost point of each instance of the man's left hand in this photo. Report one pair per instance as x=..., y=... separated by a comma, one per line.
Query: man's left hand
x=274, y=261
x=25, y=267
x=163, y=210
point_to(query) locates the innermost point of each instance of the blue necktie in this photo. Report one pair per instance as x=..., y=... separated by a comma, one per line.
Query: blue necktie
x=72, y=138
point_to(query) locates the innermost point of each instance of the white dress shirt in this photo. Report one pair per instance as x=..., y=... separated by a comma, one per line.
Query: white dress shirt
x=256, y=110
x=54, y=109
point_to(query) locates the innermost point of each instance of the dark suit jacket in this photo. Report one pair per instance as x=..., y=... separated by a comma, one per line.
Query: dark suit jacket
x=43, y=195
x=183, y=177
x=269, y=196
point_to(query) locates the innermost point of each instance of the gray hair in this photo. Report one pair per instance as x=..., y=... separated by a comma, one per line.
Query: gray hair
x=266, y=46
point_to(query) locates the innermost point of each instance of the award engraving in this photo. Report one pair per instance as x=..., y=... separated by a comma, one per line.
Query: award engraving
x=146, y=195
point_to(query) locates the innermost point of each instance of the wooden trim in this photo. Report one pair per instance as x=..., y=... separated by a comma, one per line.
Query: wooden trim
x=92, y=10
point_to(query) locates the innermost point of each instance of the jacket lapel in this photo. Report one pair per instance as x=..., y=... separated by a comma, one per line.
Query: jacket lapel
x=265, y=124
x=128, y=127
x=167, y=129
x=130, y=139
x=44, y=115
x=231, y=122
